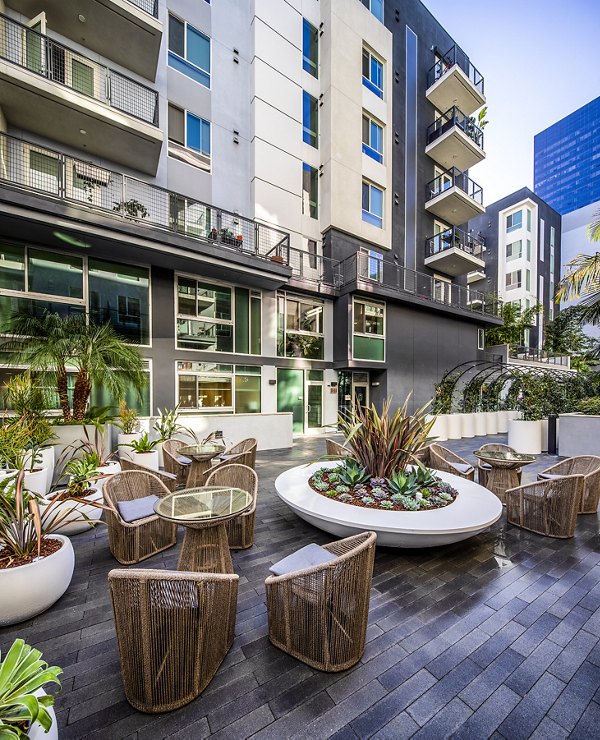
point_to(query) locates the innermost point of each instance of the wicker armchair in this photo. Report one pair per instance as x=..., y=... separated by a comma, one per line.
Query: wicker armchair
x=441, y=458
x=243, y=453
x=483, y=468
x=132, y=542
x=167, y=479
x=173, y=632
x=589, y=467
x=319, y=615
x=546, y=507
x=171, y=449
x=335, y=449
x=240, y=530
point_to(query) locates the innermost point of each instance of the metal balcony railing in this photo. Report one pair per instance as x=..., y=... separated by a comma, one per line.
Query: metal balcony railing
x=530, y=354
x=150, y=6
x=311, y=267
x=28, y=49
x=454, y=238
x=451, y=118
x=31, y=167
x=455, y=56
x=454, y=178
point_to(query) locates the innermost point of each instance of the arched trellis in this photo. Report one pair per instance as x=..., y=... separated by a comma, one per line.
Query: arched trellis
x=448, y=392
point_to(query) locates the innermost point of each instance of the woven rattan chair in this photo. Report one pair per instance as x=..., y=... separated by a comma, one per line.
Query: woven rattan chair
x=546, y=507
x=243, y=453
x=167, y=479
x=132, y=542
x=240, y=531
x=589, y=467
x=441, y=458
x=319, y=615
x=334, y=449
x=171, y=454
x=423, y=456
x=483, y=468
x=173, y=632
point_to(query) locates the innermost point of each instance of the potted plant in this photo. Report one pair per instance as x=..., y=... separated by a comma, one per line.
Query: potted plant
x=129, y=424
x=525, y=433
x=441, y=406
x=93, y=449
x=18, y=452
x=25, y=708
x=79, y=503
x=166, y=427
x=144, y=452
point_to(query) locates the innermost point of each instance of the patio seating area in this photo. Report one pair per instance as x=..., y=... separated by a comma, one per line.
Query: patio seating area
x=497, y=634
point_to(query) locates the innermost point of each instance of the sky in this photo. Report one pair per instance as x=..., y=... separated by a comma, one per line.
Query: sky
x=540, y=61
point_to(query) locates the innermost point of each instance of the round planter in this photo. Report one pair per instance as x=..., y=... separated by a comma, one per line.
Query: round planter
x=110, y=468
x=71, y=513
x=161, y=457
x=45, y=461
x=480, y=424
x=454, y=430
x=513, y=414
x=491, y=422
x=147, y=459
x=36, y=731
x=525, y=436
x=35, y=481
x=127, y=439
x=467, y=427
x=440, y=427
x=36, y=586
x=502, y=422
x=6, y=472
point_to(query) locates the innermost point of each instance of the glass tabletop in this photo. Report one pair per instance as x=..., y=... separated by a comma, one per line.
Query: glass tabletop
x=502, y=456
x=204, y=504
x=200, y=450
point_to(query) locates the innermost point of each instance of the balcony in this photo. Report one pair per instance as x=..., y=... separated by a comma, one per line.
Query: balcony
x=52, y=90
x=454, y=252
x=58, y=176
x=454, y=197
x=475, y=276
x=454, y=81
x=455, y=141
x=127, y=32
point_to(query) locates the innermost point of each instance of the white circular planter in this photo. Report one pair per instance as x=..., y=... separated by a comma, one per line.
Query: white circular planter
x=502, y=422
x=33, y=588
x=491, y=423
x=440, y=427
x=525, y=436
x=123, y=441
x=480, y=424
x=35, y=481
x=161, y=457
x=147, y=459
x=111, y=468
x=71, y=513
x=36, y=731
x=467, y=425
x=454, y=426
x=474, y=510
x=513, y=414
x=5, y=473
x=45, y=461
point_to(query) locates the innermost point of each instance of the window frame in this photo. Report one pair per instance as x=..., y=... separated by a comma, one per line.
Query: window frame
x=193, y=157
x=368, y=81
x=183, y=59
x=367, y=147
x=307, y=133
x=230, y=375
x=286, y=297
x=308, y=65
x=369, y=6
x=366, y=335
x=313, y=206
x=480, y=338
x=514, y=256
x=513, y=226
x=371, y=216
x=514, y=285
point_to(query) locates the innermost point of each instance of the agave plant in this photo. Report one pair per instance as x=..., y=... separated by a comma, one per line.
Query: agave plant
x=81, y=471
x=385, y=443
x=403, y=483
x=22, y=673
x=143, y=444
x=351, y=473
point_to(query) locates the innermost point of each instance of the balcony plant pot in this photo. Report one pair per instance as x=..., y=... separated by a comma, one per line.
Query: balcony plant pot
x=46, y=461
x=73, y=523
x=7, y=471
x=35, y=481
x=454, y=431
x=502, y=422
x=491, y=422
x=467, y=425
x=277, y=258
x=440, y=427
x=36, y=586
x=36, y=731
x=525, y=436
x=127, y=439
x=480, y=424
x=147, y=459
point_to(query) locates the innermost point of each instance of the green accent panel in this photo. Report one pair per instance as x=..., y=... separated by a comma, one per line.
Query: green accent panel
x=100, y=397
x=247, y=394
x=34, y=50
x=368, y=348
x=315, y=375
x=255, y=327
x=12, y=267
x=242, y=320
x=290, y=395
x=83, y=78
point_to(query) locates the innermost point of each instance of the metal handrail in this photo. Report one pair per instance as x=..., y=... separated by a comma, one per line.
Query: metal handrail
x=37, y=53
x=454, y=178
x=455, y=56
x=455, y=117
x=454, y=238
x=537, y=355
x=149, y=6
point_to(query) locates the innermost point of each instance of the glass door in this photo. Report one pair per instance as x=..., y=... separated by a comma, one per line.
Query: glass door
x=290, y=396
x=314, y=407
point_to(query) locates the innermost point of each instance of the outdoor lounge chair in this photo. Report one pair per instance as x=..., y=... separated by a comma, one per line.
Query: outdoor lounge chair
x=547, y=507
x=175, y=463
x=169, y=480
x=335, y=449
x=483, y=467
x=319, y=614
x=441, y=458
x=589, y=467
x=243, y=453
x=240, y=530
x=173, y=631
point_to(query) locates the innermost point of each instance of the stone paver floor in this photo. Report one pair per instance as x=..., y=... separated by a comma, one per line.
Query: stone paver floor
x=497, y=636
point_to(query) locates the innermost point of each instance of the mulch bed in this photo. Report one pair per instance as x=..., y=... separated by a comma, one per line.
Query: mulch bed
x=48, y=547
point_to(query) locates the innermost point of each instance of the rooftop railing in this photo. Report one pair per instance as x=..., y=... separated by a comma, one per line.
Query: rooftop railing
x=454, y=178
x=454, y=238
x=31, y=167
x=530, y=354
x=28, y=49
x=451, y=118
x=455, y=56
x=150, y=6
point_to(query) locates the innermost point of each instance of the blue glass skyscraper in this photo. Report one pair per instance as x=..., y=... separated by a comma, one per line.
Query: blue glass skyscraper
x=567, y=160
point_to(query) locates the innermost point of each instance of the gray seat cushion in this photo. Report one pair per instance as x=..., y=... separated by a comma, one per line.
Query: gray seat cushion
x=182, y=460
x=485, y=466
x=139, y=508
x=306, y=557
x=462, y=467
x=224, y=458
x=548, y=476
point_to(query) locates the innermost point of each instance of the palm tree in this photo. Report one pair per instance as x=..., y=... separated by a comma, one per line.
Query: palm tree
x=583, y=279
x=50, y=344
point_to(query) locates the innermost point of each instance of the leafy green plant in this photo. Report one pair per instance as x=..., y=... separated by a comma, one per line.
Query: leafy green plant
x=131, y=207
x=128, y=421
x=15, y=444
x=22, y=673
x=443, y=393
x=351, y=473
x=589, y=406
x=29, y=401
x=515, y=321
x=167, y=425
x=143, y=444
x=81, y=471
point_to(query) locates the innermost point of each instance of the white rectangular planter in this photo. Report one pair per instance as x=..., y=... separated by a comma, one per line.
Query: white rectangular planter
x=578, y=434
x=480, y=424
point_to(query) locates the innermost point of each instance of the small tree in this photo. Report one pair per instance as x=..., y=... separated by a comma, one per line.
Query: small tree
x=516, y=321
x=564, y=335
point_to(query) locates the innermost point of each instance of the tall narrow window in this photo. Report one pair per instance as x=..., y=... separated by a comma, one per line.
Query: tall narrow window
x=372, y=138
x=310, y=119
x=310, y=48
x=310, y=191
x=528, y=220
x=376, y=7
x=372, y=204
x=372, y=73
x=189, y=51
x=312, y=254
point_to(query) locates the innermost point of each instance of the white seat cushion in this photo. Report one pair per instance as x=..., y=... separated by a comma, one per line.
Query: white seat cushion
x=139, y=508
x=462, y=467
x=306, y=557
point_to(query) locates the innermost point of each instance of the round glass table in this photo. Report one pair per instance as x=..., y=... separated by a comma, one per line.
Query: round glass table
x=201, y=456
x=503, y=471
x=203, y=512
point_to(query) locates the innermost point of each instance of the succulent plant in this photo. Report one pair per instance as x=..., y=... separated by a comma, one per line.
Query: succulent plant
x=351, y=473
x=331, y=494
x=346, y=498
x=368, y=500
x=386, y=504
x=445, y=496
x=341, y=488
x=379, y=493
x=378, y=482
x=321, y=485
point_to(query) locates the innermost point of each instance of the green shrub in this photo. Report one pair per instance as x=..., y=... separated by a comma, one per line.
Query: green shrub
x=589, y=405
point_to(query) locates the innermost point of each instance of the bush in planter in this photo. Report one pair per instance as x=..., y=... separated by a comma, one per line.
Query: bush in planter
x=128, y=421
x=167, y=425
x=442, y=398
x=22, y=675
x=29, y=402
x=143, y=444
x=589, y=406
x=16, y=446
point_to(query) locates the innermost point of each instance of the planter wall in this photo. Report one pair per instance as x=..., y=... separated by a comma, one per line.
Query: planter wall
x=502, y=422
x=525, y=436
x=491, y=422
x=440, y=428
x=123, y=441
x=480, y=424
x=578, y=434
x=68, y=434
x=35, y=481
x=468, y=425
x=454, y=426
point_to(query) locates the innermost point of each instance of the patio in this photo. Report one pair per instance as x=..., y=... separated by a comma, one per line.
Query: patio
x=494, y=636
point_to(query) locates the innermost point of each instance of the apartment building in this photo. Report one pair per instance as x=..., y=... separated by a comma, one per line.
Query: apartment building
x=523, y=236
x=266, y=197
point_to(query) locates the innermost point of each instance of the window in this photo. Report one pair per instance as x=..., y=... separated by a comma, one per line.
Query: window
x=12, y=267
x=310, y=191
x=54, y=274
x=368, y=330
x=513, y=280
x=514, y=221
x=480, y=338
x=312, y=254
x=310, y=48
x=376, y=7
x=43, y=172
x=189, y=51
x=552, y=237
x=310, y=119
x=372, y=204
x=101, y=396
x=528, y=220
x=371, y=265
x=442, y=290
x=372, y=139
x=529, y=250
x=189, y=138
x=217, y=318
x=372, y=73
x=299, y=327
x=541, y=240
x=514, y=250
x=527, y=279
x=223, y=388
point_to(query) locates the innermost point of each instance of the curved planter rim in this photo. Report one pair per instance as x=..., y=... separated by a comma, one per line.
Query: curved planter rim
x=63, y=537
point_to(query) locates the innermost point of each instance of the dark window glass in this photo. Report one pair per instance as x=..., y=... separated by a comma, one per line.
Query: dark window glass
x=310, y=119
x=312, y=254
x=310, y=190
x=12, y=267
x=176, y=125
x=55, y=274
x=310, y=48
x=176, y=36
